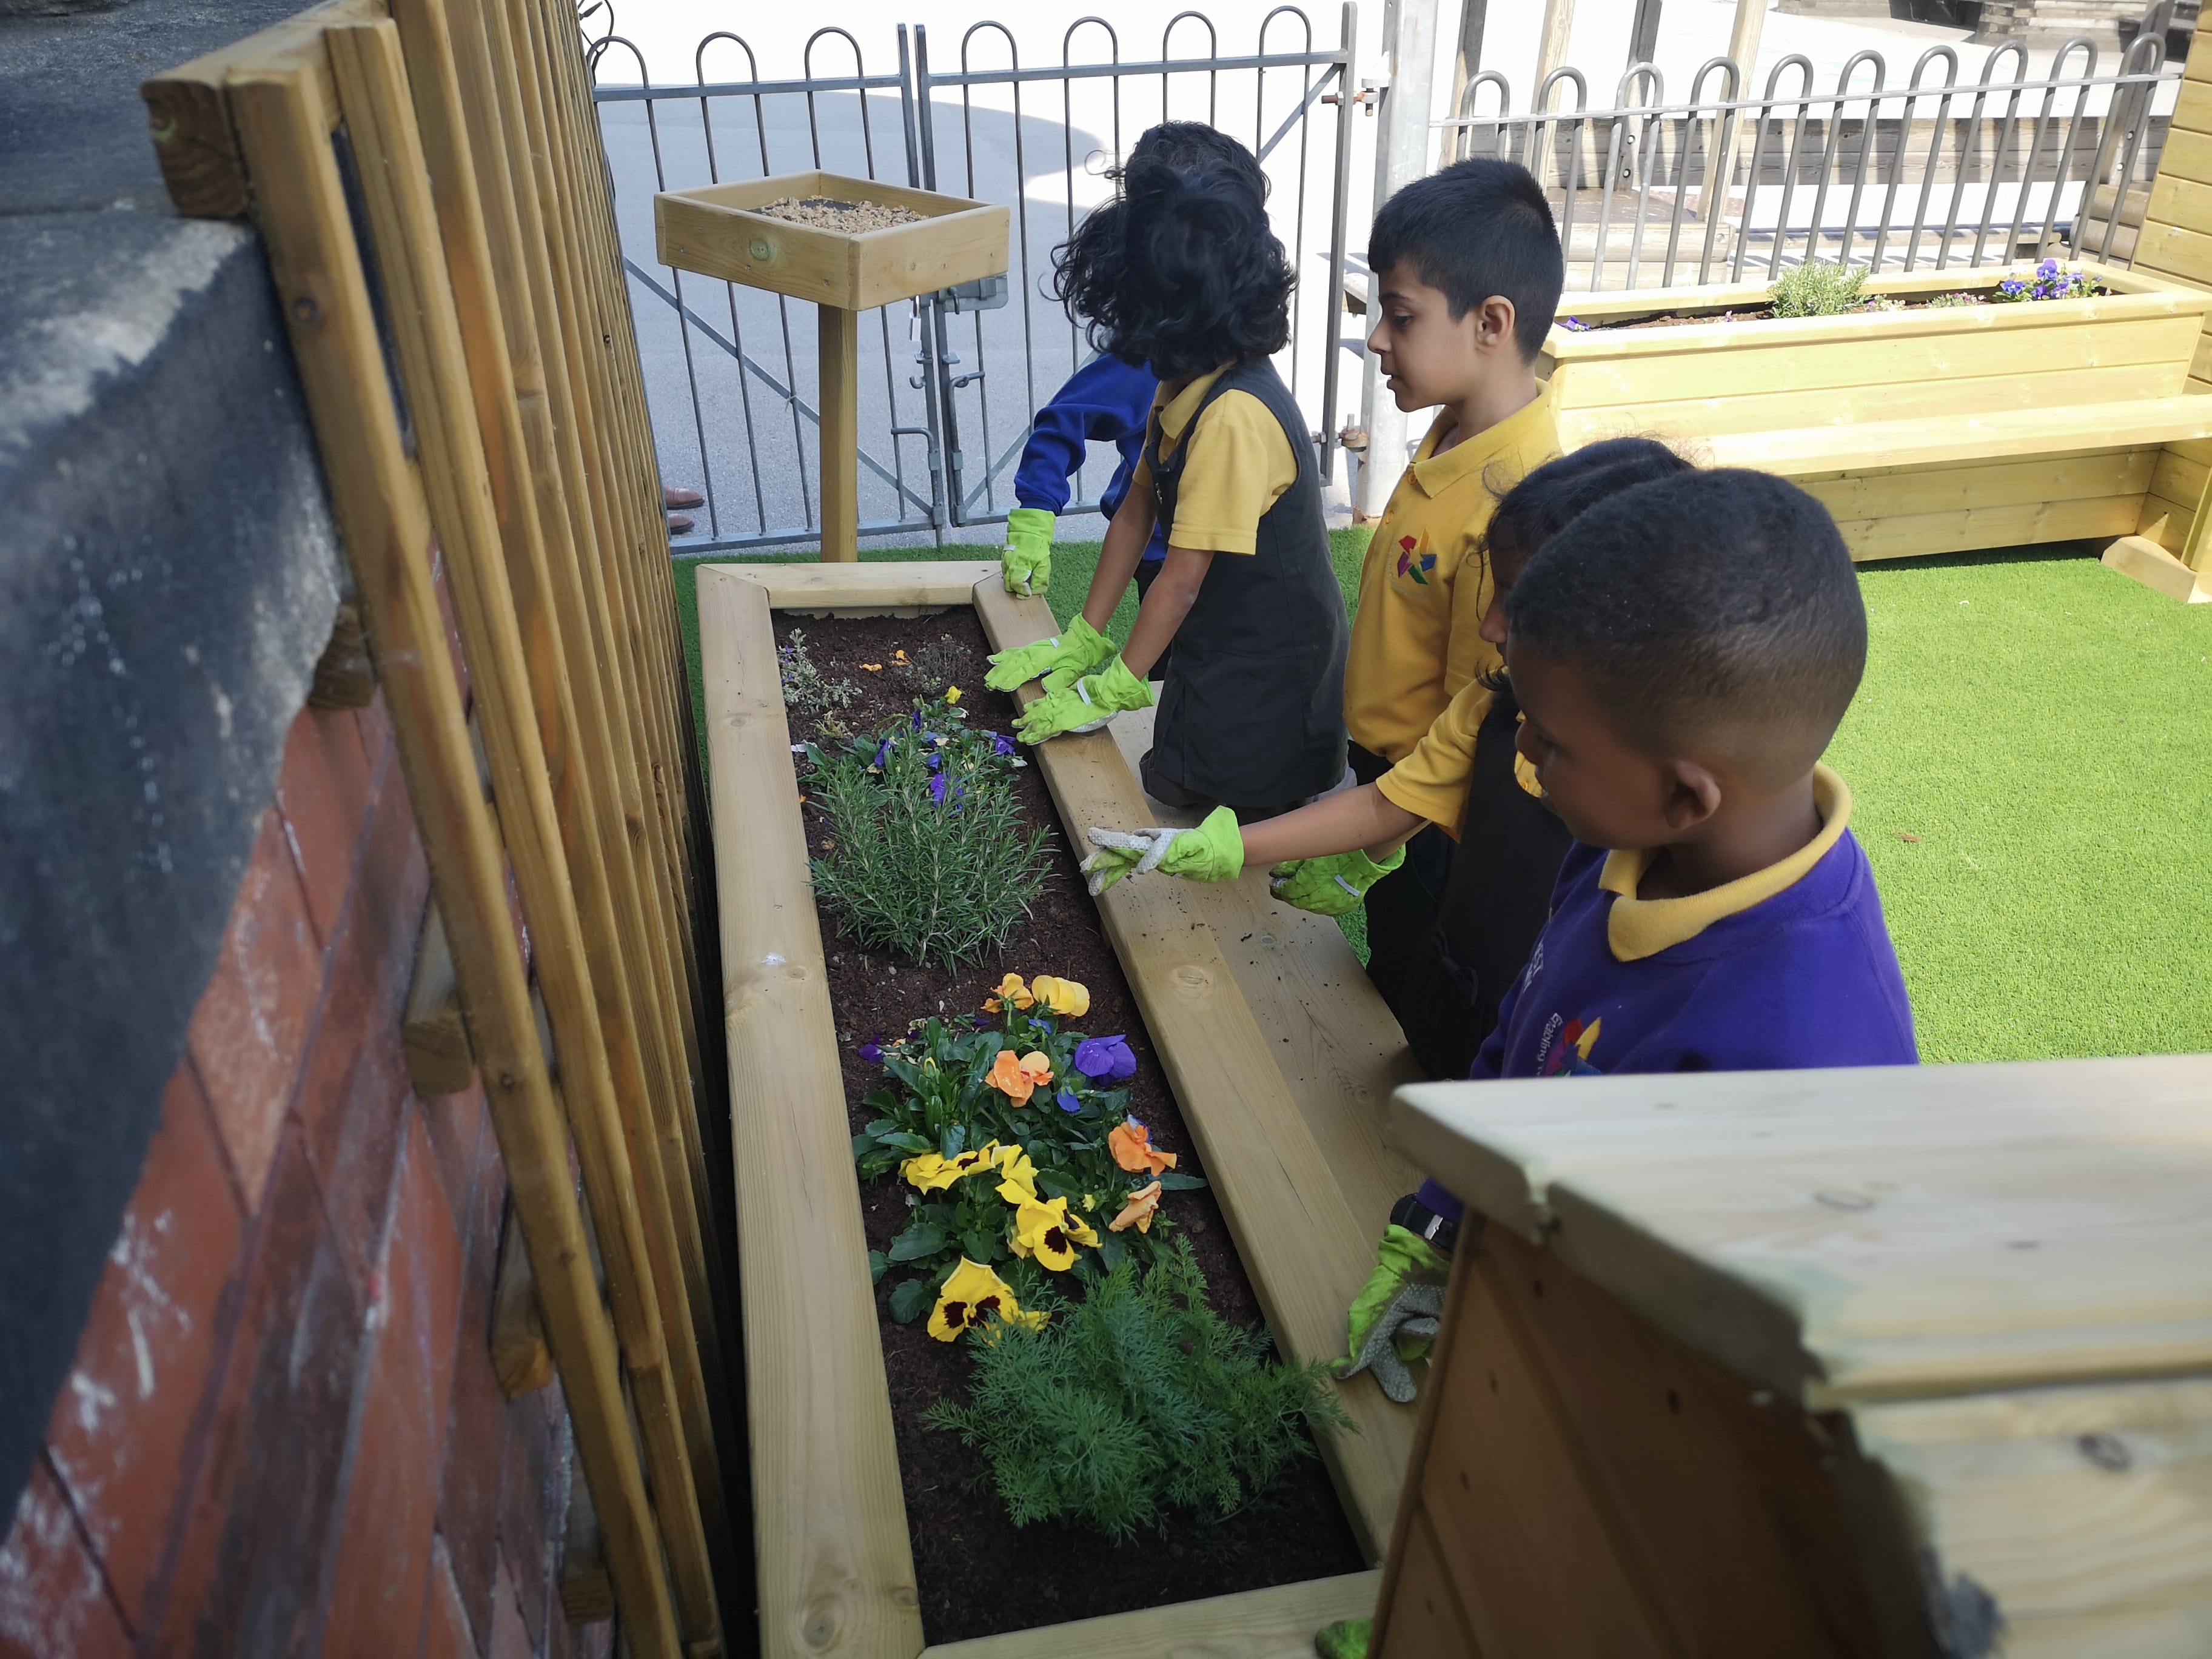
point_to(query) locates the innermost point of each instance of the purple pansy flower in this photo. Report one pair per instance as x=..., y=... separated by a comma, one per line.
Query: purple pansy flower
x=1000, y=743
x=1069, y=1102
x=882, y=753
x=934, y=761
x=937, y=788
x=916, y=718
x=873, y=1052
x=1105, y=1059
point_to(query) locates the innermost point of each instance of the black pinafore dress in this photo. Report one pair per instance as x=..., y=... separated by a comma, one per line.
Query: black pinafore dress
x=1251, y=714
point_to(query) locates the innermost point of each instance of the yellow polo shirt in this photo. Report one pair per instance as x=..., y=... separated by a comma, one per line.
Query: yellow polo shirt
x=1240, y=462
x=1425, y=583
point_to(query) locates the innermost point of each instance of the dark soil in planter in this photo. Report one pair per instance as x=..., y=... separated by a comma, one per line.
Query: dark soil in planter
x=979, y=1574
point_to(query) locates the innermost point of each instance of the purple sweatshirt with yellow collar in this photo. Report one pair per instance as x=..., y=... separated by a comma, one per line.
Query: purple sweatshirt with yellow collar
x=1789, y=967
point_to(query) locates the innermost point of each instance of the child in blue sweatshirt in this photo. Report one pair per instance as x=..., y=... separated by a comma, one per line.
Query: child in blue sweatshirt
x=1682, y=654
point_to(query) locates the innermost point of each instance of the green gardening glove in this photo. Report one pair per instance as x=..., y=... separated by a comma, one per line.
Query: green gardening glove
x=1214, y=851
x=1346, y=1638
x=1079, y=647
x=1083, y=705
x=1333, y=886
x=1393, y=1321
x=1026, y=561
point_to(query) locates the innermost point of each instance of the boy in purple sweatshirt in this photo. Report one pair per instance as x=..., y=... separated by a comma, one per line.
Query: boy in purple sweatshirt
x=1682, y=654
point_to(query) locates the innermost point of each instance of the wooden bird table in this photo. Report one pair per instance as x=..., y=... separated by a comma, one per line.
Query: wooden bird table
x=718, y=230
x=1899, y=1362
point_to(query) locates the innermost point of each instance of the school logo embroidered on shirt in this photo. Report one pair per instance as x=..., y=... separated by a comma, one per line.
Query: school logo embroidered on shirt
x=1567, y=1054
x=1412, y=561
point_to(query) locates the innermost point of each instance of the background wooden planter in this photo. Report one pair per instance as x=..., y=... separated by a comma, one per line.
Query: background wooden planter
x=1922, y=431
x=1283, y=1069
x=715, y=231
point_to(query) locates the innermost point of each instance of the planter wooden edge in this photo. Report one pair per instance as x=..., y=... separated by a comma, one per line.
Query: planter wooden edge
x=1276, y=1623
x=833, y=1546
x=1304, y=1250
x=834, y=1563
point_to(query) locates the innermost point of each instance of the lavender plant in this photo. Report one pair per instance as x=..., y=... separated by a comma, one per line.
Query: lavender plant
x=927, y=856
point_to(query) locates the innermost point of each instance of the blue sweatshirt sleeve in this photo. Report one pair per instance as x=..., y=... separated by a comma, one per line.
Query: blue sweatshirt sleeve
x=1105, y=401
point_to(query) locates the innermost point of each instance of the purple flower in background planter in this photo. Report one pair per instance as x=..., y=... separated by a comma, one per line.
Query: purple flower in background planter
x=1574, y=324
x=1105, y=1059
x=873, y=1052
x=1069, y=1102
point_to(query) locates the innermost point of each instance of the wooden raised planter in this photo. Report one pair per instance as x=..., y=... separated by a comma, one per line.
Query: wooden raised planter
x=1922, y=431
x=1831, y=1363
x=1282, y=1059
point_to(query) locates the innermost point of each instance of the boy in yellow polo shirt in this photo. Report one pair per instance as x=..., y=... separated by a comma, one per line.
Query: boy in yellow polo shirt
x=1468, y=270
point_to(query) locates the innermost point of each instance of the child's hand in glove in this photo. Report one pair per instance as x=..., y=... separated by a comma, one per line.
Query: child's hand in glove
x=1393, y=1323
x=1330, y=886
x=1079, y=647
x=1085, y=704
x=1026, y=561
x=1214, y=851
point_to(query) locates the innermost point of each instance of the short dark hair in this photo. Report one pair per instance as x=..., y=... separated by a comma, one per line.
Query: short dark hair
x=1717, y=606
x=1552, y=496
x=1478, y=228
x=1179, y=272
x=1193, y=144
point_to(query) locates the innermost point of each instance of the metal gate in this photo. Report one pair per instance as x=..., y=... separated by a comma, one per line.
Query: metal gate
x=960, y=373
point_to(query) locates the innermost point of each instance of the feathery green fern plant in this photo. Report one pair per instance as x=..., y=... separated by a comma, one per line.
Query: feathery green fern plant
x=1135, y=1402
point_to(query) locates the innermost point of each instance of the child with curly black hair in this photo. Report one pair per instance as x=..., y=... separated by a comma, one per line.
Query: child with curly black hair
x=1104, y=401
x=1180, y=272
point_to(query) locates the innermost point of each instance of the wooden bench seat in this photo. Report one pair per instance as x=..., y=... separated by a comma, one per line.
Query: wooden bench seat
x=1948, y=483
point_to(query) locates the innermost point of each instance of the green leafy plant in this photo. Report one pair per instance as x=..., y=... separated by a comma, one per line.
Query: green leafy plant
x=1953, y=301
x=926, y=854
x=1134, y=1403
x=811, y=691
x=1815, y=289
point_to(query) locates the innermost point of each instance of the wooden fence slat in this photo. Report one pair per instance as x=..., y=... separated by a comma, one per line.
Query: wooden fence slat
x=393, y=173
x=283, y=121
x=658, y=856
x=564, y=663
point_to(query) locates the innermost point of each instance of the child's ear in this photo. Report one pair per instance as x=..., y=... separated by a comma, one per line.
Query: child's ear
x=1693, y=794
x=1493, y=324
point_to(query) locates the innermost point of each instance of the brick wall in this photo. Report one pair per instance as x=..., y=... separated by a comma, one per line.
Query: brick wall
x=282, y=1433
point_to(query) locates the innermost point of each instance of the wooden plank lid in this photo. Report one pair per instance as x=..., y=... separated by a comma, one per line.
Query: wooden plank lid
x=1852, y=1235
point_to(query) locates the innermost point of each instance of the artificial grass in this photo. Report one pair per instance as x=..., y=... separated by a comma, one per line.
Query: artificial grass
x=2038, y=725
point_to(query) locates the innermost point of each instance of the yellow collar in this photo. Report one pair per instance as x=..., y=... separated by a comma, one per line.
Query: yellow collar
x=1177, y=409
x=1643, y=927
x=1437, y=473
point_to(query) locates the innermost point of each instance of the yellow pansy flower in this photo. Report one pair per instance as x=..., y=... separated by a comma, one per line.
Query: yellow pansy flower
x=1011, y=994
x=933, y=1174
x=1062, y=996
x=969, y=1297
x=1040, y=1230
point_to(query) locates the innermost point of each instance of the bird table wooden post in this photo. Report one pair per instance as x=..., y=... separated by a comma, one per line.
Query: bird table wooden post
x=721, y=230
